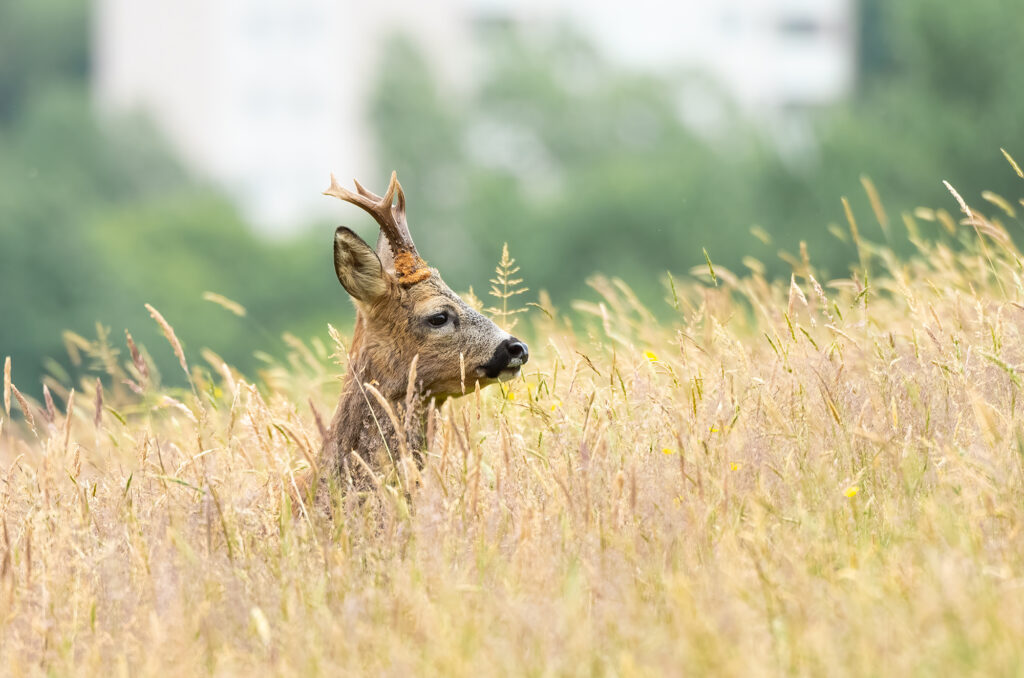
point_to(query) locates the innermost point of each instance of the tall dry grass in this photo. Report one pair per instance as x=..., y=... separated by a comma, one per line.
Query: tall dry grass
x=774, y=478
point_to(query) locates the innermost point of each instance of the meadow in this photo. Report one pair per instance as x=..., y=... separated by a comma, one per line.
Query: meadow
x=796, y=477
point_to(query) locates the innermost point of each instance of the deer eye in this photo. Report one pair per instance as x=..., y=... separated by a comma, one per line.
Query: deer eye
x=438, y=319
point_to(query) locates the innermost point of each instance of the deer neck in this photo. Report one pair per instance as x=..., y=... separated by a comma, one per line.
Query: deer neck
x=361, y=424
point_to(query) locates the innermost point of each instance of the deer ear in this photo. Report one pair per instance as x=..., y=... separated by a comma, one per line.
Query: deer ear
x=358, y=267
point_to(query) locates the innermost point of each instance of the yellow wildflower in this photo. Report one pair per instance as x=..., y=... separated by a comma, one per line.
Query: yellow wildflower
x=735, y=465
x=852, y=491
x=667, y=450
x=650, y=356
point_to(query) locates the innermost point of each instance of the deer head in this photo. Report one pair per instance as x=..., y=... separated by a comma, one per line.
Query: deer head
x=404, y=311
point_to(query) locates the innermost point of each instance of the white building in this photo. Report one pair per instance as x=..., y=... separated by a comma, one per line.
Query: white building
x=266, y=97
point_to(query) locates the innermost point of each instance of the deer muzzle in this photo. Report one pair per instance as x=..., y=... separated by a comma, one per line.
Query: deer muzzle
x=510, y=355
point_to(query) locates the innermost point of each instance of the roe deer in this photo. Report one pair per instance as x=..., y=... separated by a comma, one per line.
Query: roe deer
x=414, y=340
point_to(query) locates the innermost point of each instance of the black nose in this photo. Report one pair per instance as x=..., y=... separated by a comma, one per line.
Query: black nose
x=517, y=350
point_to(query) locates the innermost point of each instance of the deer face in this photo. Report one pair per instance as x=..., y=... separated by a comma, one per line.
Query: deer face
x=456, y=345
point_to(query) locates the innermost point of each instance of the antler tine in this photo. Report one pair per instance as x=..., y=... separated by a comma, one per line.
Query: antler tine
x=401, y=196
x=389, y=196
x=394, y=188
x=362, y=191
x=338, y=191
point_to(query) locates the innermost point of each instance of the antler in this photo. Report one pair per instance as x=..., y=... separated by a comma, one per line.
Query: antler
x=409, y=267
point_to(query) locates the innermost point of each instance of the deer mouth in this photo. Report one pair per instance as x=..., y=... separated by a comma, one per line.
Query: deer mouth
x=508, y=358
x=492, y=372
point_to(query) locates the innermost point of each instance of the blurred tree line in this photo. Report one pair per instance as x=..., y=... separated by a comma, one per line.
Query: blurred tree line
x=580, y=165
x=97, y=218
x=585, y=167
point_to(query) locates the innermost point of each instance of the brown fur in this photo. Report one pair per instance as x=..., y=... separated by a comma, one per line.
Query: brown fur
x=415, y=343
x=390, y=332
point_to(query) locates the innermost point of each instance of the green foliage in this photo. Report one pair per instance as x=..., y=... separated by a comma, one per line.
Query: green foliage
x=584, y=167
x=98, y=219
x=57, y=169
x=41, y=42
x=579, y=165
x=414, y=124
